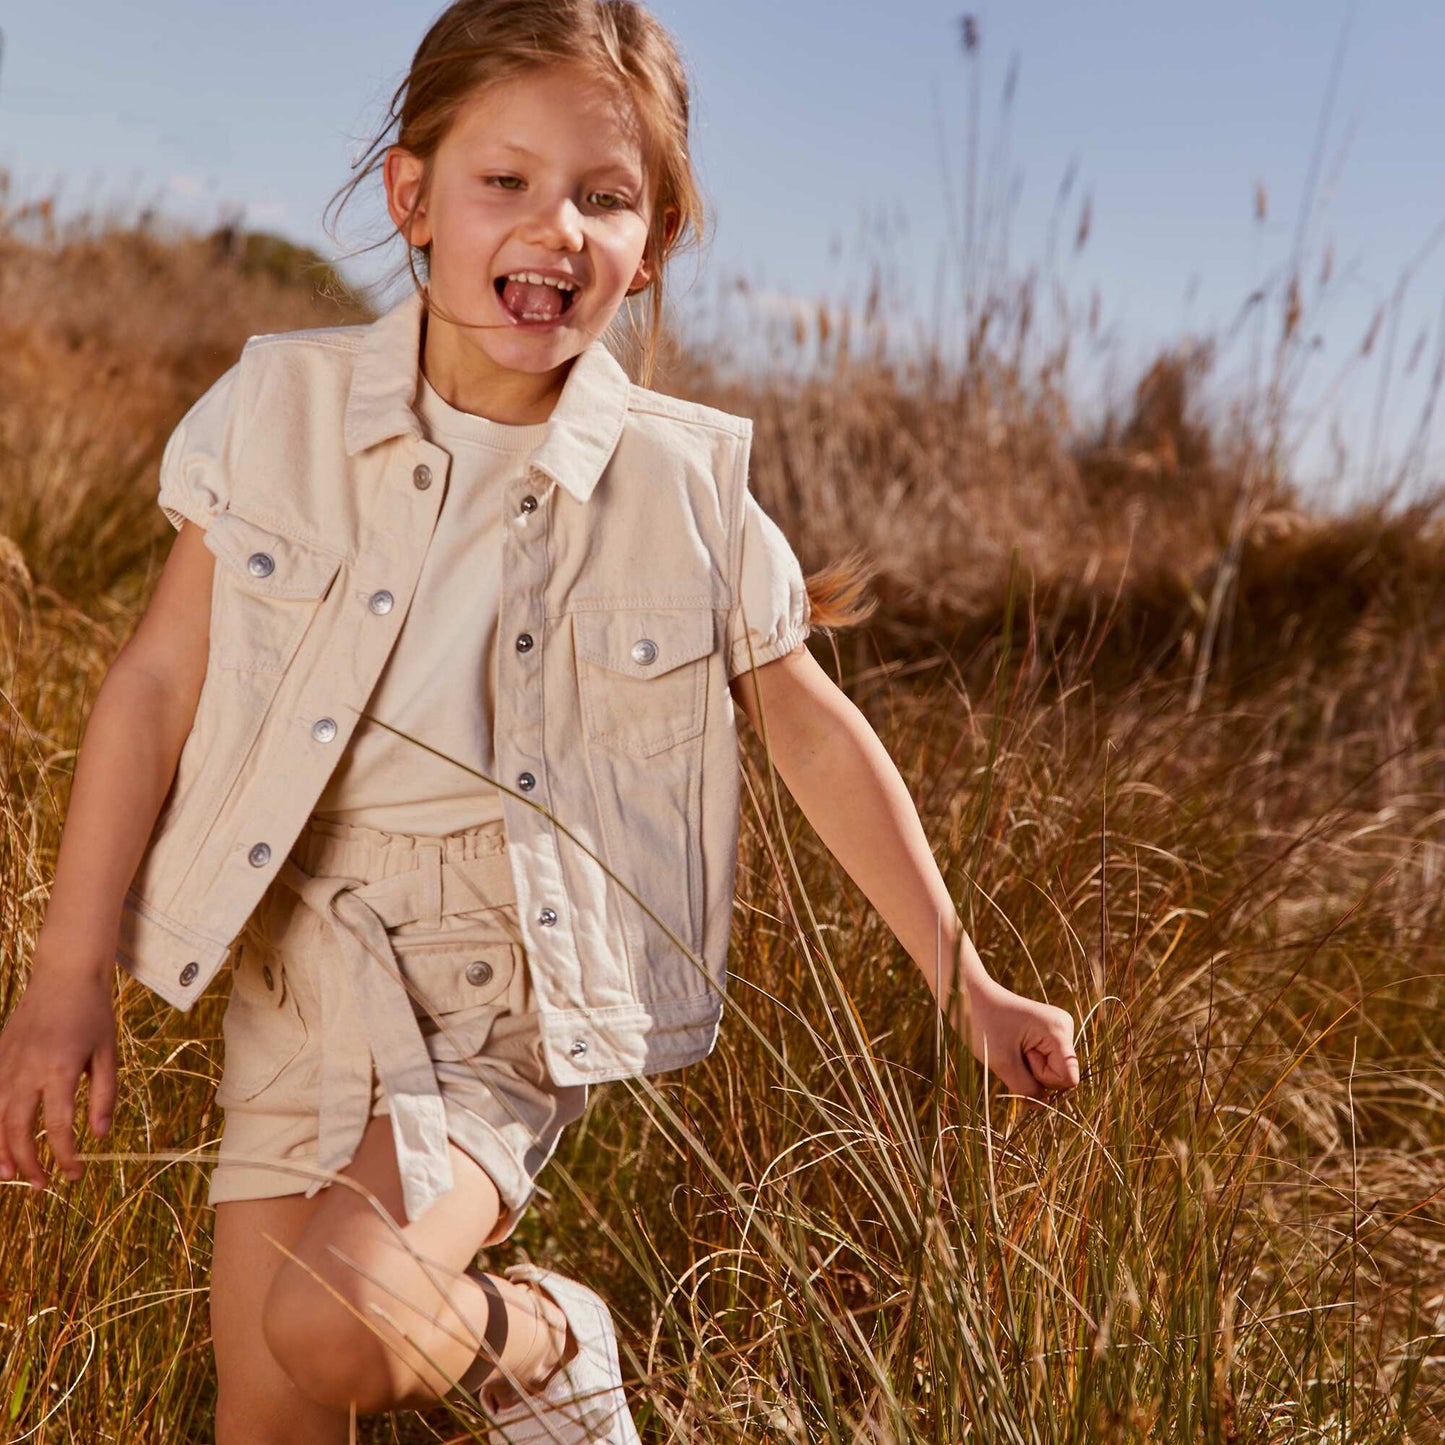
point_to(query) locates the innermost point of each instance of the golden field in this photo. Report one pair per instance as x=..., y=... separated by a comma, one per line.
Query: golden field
x=1179, y=743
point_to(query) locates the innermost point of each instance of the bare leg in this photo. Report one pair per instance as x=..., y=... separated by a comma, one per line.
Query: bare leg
x=257, y=1401
x=389, y=1315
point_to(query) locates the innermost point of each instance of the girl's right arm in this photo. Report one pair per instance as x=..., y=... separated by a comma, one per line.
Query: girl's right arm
x=64, y=1025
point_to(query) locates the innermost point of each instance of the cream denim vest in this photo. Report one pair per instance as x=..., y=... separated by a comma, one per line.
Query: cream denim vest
x=616, y=748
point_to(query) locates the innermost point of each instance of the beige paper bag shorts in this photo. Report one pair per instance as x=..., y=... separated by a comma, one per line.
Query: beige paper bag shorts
x=384, y=973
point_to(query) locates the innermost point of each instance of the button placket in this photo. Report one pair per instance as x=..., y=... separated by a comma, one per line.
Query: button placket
x=523, y=578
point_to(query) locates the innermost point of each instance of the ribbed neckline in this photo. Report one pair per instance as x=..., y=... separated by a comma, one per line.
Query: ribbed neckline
x=443, y=419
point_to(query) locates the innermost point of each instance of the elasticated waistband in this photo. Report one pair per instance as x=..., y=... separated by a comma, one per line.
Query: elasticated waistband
x=350, y=849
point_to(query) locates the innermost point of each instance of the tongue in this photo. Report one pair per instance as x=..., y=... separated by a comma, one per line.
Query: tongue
x=523, y=296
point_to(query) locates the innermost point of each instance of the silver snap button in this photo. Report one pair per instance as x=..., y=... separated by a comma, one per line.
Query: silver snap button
x=526, y=782
x=579, y=1047
x=547, y=918
x=260, y=855
x=421, y=477
x=380, y=602
x=268, y=976
x=524, y=642
x=529, y=503
x=189, y=972
x=323, y=729
x=260, y=564
x=644, y=651
x=479, y=971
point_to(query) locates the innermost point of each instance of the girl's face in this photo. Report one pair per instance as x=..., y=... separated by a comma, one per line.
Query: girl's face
x=544, y=175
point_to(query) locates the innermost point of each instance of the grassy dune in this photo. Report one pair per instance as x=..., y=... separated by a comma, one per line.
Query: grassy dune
x=1180, y=746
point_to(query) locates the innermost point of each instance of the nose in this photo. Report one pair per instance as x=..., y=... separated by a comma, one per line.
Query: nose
x=555, y=224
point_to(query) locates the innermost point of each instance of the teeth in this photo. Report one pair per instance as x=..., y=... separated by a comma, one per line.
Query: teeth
x=536, y=280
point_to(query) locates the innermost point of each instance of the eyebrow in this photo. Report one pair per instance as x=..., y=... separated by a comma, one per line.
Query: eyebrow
x=624, y=167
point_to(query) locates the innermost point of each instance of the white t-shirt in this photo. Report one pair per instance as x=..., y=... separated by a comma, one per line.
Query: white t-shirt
x=450, y=636
x=439, y=684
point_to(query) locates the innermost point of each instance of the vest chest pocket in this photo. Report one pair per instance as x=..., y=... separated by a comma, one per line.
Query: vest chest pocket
x=266, y=590
x=642, y=675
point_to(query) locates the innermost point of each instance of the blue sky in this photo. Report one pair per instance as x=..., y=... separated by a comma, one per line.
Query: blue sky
x=822, y=128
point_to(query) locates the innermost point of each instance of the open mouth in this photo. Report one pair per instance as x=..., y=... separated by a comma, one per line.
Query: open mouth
x=533, y=302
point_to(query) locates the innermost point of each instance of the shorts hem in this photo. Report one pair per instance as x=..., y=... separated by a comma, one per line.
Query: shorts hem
x=239, y=1181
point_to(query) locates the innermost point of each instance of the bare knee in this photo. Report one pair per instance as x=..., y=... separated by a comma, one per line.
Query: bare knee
x=323, y=1335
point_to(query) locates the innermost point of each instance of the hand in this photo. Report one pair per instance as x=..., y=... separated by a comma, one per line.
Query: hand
x=63, y=1027
x=1030, y=1045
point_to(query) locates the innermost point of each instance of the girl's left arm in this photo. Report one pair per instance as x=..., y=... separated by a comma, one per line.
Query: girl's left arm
x=851, y=792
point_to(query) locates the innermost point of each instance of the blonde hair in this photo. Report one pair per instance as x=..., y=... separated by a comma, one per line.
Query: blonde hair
x=475, y=44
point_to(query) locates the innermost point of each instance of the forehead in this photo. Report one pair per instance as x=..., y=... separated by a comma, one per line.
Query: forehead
x=550, y=112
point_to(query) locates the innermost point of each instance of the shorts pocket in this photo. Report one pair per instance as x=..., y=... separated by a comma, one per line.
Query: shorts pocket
x=459, y=988
x=262, y=1027
x=642, y=675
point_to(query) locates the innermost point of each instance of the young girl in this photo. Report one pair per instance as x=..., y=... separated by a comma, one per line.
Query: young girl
x=429, y=730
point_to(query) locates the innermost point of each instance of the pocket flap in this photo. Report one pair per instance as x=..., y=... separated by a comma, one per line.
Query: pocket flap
x=644, y=642
x=258, y=977
x=445, y=976
x=268, y=562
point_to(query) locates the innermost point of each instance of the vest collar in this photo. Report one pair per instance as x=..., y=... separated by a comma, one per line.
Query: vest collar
x=582, y=432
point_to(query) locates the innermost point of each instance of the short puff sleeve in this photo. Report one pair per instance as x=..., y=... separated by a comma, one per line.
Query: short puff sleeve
x=194, y=480
x=771, y=609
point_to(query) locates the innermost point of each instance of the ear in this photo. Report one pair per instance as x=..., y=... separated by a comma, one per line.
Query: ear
x=402, y=174
x=643, y=275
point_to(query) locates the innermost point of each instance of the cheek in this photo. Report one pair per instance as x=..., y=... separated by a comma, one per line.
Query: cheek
x=469, y=223
x=464, y=239
x=628, y=250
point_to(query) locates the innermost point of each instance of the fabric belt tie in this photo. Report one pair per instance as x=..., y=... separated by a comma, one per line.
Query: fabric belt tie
x=367, y=1016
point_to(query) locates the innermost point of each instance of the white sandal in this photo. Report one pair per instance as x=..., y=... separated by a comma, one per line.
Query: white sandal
x=582, y=1402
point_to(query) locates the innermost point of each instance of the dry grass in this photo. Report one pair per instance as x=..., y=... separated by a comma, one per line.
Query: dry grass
x=1217, y=842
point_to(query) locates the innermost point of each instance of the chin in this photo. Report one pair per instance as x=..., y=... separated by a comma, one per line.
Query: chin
x=534, y=354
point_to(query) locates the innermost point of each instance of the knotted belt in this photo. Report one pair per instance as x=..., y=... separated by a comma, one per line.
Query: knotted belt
x=366, y=1011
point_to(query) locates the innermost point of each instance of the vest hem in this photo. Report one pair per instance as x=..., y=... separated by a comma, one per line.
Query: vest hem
x=625, y=1042
x=155, y=949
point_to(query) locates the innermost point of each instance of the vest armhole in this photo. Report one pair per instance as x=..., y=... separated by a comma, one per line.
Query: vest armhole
x=737, y=505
